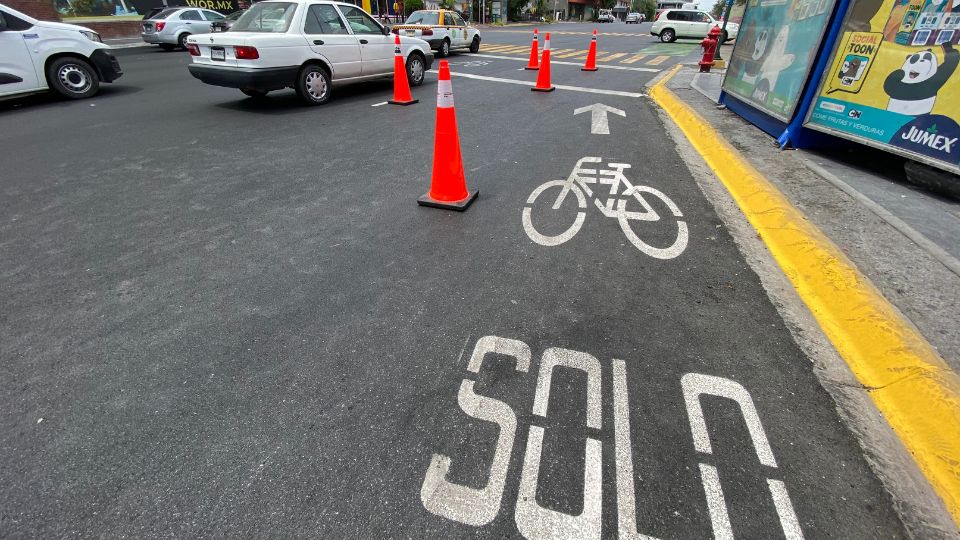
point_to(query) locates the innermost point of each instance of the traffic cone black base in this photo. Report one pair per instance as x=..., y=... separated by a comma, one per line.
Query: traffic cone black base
x=411, y=102
x=459, y=206
x=589, y=69
x=551, y=89
x=531, y=68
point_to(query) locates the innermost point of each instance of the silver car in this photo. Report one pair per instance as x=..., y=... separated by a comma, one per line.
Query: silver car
x=170, y=27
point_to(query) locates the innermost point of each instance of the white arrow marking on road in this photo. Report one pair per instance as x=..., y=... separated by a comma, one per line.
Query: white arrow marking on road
x=598, y=117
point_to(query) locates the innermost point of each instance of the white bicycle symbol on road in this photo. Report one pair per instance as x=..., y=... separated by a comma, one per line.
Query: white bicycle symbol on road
x=615, y=207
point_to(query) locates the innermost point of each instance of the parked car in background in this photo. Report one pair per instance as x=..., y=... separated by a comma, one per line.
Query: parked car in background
x=634, y=18
x=606, y=16
x=171, y=27
x=226, y=23
x=444, y=30
x=38, y=55
x=689, y=23
x=307, y=45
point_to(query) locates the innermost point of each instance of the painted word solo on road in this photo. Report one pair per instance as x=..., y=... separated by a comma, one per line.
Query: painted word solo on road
x=616, y=206
x=479, y=507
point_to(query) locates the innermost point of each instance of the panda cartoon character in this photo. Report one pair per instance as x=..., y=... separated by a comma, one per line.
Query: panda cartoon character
x=776, y=61
x=913, y=88
x=759, y=49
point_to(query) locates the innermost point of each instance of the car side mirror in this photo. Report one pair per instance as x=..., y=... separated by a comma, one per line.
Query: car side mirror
x=386, y=30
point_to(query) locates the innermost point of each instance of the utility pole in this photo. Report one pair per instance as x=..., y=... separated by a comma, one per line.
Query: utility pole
x=723, y=29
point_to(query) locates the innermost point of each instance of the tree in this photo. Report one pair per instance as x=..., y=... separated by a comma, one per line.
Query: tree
x=647, y=7
x=409, y=6
x=717, y=9
x=516, y=8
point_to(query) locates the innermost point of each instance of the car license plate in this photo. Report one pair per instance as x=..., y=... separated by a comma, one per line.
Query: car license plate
x=411, y=32
x=217, y=53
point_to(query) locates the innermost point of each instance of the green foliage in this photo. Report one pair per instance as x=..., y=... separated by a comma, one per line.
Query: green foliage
x=446, y=4
x=717, y=9
x=647, y=7
x=412, y=5
x=516, y=8
x=86, y=8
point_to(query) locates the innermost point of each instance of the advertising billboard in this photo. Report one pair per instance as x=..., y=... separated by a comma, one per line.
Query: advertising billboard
x=775, y=51
x=893, y=81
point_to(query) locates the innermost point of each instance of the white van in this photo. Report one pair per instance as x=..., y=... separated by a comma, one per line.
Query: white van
x=37, y=55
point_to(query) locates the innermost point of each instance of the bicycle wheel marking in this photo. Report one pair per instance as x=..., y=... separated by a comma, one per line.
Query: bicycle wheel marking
x=589, y=170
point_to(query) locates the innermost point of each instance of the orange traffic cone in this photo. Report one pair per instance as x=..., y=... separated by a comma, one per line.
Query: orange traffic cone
x=448, y=187
x=401, y=87
x=534, y=52
x=591, y=64
x=543, y=78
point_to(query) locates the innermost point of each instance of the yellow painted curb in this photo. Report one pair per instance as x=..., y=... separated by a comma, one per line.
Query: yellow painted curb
x=915, y=390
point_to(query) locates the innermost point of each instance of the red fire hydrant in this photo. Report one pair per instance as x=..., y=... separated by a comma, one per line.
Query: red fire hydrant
x=709, y=45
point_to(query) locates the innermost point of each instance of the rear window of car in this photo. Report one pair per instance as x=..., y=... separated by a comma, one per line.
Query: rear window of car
x=430, y=18
x=267, y=17
x=165, y=13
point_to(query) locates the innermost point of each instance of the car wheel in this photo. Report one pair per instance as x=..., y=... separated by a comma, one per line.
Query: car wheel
x=182, y=40
x=415, y=69
x=72, y=77
x=254, y=93
x=444, y=49
x=167, y=47
x=475, y=45
x=668, y=36
x=313, y=85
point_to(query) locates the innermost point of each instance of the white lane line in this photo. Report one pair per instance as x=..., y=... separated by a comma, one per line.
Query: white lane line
x=379, y=104
x=604, y=66
x=558, y=86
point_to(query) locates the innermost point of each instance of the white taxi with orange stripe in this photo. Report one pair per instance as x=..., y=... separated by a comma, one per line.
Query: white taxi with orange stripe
x=443, y=30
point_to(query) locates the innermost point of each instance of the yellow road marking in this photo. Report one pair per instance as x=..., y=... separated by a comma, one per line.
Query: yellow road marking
x=657, y=61
x=633, y=59
x=516, y=48
x=914, y=389
x=613, y=56
x=497, y=47
x=571, y=54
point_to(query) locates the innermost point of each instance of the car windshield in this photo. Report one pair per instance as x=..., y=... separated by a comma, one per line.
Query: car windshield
x=165, y=13
x=233, y=16
x=431, y=18
x=272, y=17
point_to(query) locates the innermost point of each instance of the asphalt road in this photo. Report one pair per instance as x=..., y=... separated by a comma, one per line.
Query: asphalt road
x=224, y=317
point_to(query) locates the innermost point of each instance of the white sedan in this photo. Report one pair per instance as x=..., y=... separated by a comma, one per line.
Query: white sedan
x=307, y=45
x=444, y=30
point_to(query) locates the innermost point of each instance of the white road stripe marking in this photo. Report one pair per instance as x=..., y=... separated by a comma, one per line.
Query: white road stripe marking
x=695, y=385
x=716, y=505
x=558, y=86
x=788, y=518
x=626, y=497
x=379, y=104
x=605, y=66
